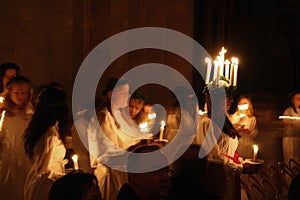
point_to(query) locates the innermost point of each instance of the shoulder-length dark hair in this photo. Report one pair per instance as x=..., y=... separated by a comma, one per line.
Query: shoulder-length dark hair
x=227, y=127
x=52, y=107
x=3, y=68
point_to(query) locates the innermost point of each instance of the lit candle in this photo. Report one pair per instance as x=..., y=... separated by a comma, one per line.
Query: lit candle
x=162, y=128
x=143, y=128
x=75, y=161
x=215, y=69
x=243, y=106
x=151, y=116
x=2, y=119
x=216, y=72
x=235, y=71
x=208, y=61
x=255, y=150
x=227, y=62
x=221, y=60
x=231, y=70
x=2, y=99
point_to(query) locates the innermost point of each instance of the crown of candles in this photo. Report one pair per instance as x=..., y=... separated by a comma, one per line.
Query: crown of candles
x=222, y=68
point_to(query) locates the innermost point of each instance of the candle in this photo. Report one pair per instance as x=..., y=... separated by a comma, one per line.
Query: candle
x=215, y=69
x=2, y=119
x=231, y=70
x=255, y=150
x=227, y=62
x=208, y=61
x=216, y=72
x=221, y=60
x=75, y=161
x=151, y=116
x=2, y=99
x=162, y=128
x=289, y=117
x=235, y=71
x=143, y=128
x=243, y=106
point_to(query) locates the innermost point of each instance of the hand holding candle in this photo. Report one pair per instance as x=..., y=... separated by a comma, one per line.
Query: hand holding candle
x=75, y=161
x=255, y=151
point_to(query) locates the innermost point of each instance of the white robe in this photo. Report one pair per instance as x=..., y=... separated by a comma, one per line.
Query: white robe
x=14, y=164
x=48, y=165
x=291, y=136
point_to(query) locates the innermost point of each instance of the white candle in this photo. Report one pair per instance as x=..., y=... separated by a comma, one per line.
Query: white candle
x=235, y=71
x=215, y=69
x=2, y=119
x=255, y=150
x=216, y=72
x=143, y=128
x=221, y=60
x=162, y=128
x=227, y=62
x=75, y=161
x=208, y=61
x=231, y=70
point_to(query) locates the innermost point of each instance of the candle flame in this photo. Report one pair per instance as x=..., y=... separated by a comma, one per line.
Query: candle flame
x=207, y=60
x=243, y=106
x=143, y=127
x=152, y=116
x=255, y=148
x=200, y=112
x=1, y=99
x=223, y=51
x=75, y=158
x=162, y=124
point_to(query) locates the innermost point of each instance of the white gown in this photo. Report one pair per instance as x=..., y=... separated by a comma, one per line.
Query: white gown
x=102, y=145
x=49, y=153
x=246, y=142
x=291, y=136
x=14, y=164
x=215, y=147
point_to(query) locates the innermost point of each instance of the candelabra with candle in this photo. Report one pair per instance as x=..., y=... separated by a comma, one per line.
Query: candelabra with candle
x=220, y=66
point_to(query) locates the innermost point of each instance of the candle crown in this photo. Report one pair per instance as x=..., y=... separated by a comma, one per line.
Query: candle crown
x=223, y=69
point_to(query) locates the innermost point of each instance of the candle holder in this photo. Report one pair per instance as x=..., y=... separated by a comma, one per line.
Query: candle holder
x=161, y=140
x=254, y=162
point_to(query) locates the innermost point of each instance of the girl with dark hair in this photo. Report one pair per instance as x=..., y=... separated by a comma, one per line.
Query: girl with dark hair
x=44, y=143
x=220, y=135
